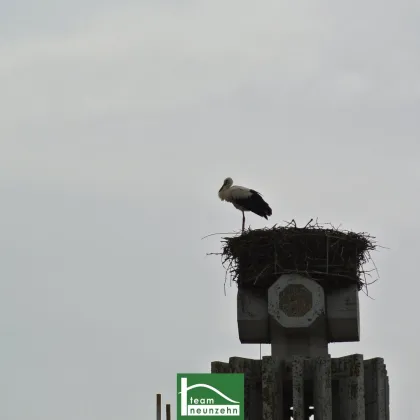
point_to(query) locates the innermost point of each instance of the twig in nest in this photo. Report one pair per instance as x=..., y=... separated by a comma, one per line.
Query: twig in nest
x=307, y=224
x=213, y=234
x=292, y=222
x=259, y=275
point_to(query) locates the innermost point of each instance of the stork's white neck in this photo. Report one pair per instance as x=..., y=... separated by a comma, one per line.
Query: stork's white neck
x=223, y=193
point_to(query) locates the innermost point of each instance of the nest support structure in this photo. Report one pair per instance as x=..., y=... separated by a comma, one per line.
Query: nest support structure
x=333, y=257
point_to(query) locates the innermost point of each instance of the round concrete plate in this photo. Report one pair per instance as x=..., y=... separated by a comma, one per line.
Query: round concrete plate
x=295, y=301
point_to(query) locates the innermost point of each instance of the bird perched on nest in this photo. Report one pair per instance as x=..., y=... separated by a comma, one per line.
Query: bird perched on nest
x=244, y=199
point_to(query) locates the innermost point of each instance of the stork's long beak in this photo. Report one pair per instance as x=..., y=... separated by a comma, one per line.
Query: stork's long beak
x=222, y=187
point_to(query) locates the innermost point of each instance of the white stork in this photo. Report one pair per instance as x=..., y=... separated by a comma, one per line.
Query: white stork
x=244, y=199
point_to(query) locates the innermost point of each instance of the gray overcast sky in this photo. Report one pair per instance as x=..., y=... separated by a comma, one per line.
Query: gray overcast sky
x=119, y=122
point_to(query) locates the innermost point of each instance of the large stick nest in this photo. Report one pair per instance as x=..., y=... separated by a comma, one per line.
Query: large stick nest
x=333, y=257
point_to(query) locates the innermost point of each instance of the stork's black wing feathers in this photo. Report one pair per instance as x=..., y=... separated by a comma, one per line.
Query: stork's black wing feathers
x=255, y=192
x=256, y=204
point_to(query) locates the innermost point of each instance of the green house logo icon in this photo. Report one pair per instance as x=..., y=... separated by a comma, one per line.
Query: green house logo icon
x=210, y=395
